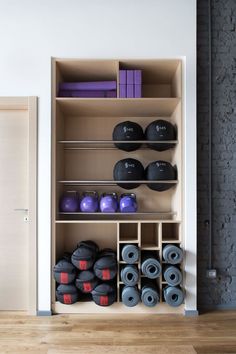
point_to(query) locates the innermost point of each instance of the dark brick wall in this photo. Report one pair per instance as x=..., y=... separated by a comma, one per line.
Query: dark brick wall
x=222, y=291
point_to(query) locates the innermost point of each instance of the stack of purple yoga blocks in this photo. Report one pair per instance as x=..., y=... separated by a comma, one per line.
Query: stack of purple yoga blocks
x=130, y=83
x=95, y=89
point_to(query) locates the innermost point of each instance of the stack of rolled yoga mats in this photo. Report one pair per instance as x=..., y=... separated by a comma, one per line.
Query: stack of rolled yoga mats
x=90, y=89
x=129, y=275
x=173, y=294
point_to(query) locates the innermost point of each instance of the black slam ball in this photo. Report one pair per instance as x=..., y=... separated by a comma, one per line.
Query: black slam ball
x=128, y=170
x=128, y=131
x=160, y=130
x=160, y=171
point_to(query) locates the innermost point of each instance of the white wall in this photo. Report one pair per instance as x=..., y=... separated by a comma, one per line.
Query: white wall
x=33, y=31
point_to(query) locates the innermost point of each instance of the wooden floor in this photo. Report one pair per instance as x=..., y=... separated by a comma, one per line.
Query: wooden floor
x=210, y=333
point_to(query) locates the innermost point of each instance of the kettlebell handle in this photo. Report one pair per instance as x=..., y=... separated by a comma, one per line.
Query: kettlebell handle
x=132, y=195
x=94, y=193
x=112, y=194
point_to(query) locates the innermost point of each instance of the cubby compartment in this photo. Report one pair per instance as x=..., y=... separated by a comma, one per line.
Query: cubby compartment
x=171, y=232
x=160, y=78
x=150, y=238
x=68, y=235
x=85, y=70
x=128, y=233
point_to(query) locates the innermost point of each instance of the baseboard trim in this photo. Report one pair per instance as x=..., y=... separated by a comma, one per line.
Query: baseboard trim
x=231, y=306
x=191, y=313
x=44, y=313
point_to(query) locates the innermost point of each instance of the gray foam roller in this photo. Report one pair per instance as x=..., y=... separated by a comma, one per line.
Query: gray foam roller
x=150, y=267
x=173, y=296
x=129, y=275
x=172, y=254
x=130, y=296
x=130, y=254
x=149, y=295
x=172, y=275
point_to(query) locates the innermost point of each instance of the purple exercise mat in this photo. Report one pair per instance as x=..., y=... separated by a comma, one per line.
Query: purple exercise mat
x=92, y=85
x=87, y=93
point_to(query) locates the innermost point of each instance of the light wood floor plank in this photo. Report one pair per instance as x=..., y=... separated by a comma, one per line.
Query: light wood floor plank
x=213, y=333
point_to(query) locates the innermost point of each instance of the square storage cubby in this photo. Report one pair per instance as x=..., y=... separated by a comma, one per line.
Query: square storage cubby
x=149, y=236
x=152, y=254
x=70, y=234
x=85, y=70
x=171, y=232
x=160, y=78
x=128, y=232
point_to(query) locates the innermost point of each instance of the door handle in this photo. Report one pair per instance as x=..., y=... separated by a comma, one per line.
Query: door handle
x=21, y=209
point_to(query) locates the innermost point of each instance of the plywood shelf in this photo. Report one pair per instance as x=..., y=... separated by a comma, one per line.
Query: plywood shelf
x=117, y=107
x=113, y=182
x=149, y=247
x=116, y=308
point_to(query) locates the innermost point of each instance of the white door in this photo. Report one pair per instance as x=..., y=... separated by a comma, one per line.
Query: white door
x=14, y=253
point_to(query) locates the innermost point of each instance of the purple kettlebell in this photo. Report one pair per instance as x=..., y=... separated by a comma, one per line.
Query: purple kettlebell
x=69, y=202
x=128, y=203
x=89, y=202
x=109, y=203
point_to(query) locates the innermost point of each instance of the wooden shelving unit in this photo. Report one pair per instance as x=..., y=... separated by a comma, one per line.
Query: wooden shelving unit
x=83, y=155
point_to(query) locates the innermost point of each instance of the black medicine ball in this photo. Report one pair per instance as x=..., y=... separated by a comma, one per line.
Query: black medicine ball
x=160, y=130
x=160, y=170
x=128, y=170
x=127, y=131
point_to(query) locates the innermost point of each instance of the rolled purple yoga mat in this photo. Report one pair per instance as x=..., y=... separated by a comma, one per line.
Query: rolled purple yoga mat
x=92, y=85
x=87, y=93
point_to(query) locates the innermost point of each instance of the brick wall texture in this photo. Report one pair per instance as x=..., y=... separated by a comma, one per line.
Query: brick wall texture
x=222, y=291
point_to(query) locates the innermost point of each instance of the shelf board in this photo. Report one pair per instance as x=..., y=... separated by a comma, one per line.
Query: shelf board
x=170, y=241
x=119, y=213
x=108, y=144
x=149, y=247
x=118, y=107
x=111, y=182
x=116, y=308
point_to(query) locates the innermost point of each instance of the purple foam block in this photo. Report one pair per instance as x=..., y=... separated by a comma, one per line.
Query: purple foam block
x=87, y=93
x=137, y=83
x=92, y=85
x=138, y=77
x=130, y=91
x=137, y=91
x=130, y=77
x=122, y=77
x=123, y=93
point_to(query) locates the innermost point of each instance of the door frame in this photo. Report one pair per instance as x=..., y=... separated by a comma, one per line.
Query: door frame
x=29, y=104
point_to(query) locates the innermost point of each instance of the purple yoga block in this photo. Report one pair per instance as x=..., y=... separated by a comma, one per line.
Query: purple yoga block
x=130, y=91
x=123, y=90
x=122, y=77
x=137, y=91
x=130, y=77
x=92, y=85
x=138, y=77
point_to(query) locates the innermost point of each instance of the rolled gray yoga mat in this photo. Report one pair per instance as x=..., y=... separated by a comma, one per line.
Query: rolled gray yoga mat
x=149, y=295
x=150, y=267
x=129, y=275
x=130, y=296
x=130, y=254
x=173, y=296
x=172, y=254
x=172, y=275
